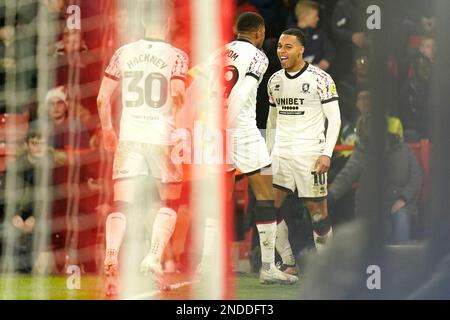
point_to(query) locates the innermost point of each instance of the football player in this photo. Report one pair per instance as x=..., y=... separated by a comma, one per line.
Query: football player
x=150, y=74
x=302, y=97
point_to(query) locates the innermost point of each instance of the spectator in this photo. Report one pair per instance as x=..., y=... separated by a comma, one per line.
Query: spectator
x=29, y=169
x=7, y=62
x=72, y=42
x=348, y=134
x=66, y=135
x=77, y=68
x=320, y=50
x=404, y=181
x=342, y=211
x=415, y=95
x=348, y=31
x=72, y=57
x=275, y=15
x=26, y=47
x=350, y=86
x=64, y=132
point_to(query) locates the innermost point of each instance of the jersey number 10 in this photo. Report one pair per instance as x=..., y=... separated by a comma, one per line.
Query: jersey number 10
x=154, y=93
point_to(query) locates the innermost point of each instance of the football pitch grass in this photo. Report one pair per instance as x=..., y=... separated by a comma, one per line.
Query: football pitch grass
x=24, y=287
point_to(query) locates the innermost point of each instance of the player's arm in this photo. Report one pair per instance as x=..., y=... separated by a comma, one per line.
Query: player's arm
x=271, y=128
x=255, y=72
x=330, y=107
x=107, y=89
x=332, y=113
x=178, y=79
x=271, y=121
x=109, y=84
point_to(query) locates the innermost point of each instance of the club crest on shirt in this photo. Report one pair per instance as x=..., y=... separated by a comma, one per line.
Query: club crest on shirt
x=305, y=88
x=333, y=89
x=277, y=87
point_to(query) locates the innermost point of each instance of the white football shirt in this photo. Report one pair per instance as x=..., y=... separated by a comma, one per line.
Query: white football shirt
x=300, y=99
x=241, y=59
x=145, y=68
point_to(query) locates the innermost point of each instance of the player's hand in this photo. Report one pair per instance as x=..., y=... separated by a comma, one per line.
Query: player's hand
x=178, y=89
x=109, y=140
x=324, y=65
x=398, y=205
x=322, y=164
x=359, y=38
x=178, y=100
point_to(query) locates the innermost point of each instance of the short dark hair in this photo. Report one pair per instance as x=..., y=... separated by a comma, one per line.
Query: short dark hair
x=304, y=5
x=33, y=133
x=298, y=33
x=249, y=22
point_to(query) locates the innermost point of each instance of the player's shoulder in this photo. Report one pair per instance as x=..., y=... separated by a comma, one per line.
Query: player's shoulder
x=261, y=55
x=277, y=76
x=129, y=46
x=245, y=46
x=318, y=73
x=179, y=52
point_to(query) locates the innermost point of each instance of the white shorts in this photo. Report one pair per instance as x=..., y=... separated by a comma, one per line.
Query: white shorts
x=249, y=152
x=133, y=159
x=295, y=172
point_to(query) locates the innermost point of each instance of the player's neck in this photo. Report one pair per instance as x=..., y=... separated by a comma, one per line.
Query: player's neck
x=297, y=67
x=242, y=37
x=154, y=33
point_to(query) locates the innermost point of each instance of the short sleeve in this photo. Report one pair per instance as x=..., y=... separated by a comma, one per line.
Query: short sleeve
x=270, y=93
x=181, y=65
x=326, y=88
x=113, y=69
x=258, y=66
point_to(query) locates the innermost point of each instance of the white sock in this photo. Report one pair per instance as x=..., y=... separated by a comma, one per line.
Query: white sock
x=163, y=227
x=116, y=223
x=209, y=238
x=283, y=245
x=321, y=241
x=267, y=236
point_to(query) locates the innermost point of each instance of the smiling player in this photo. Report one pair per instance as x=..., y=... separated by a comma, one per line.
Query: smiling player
x=301, y=97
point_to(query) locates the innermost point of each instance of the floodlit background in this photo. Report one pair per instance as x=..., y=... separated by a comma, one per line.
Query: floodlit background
x=388, y=194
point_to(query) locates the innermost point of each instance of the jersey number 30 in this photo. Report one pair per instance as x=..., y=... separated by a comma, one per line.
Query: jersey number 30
x=154, y=93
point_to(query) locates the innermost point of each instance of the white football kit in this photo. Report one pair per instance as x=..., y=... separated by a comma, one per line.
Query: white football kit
x=145, y=69
x=300, y=100
x=247, y=150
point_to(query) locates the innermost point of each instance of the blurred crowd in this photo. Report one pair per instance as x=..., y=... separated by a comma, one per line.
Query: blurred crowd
x=56, y=182
x=63, y=127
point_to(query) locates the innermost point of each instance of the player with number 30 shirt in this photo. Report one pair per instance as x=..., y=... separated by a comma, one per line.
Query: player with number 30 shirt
x=146, y=69
x=150, y=74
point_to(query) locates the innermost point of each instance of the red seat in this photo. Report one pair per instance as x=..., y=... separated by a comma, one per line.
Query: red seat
x=422, y=151
x=13, y=127
x=8, y=152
